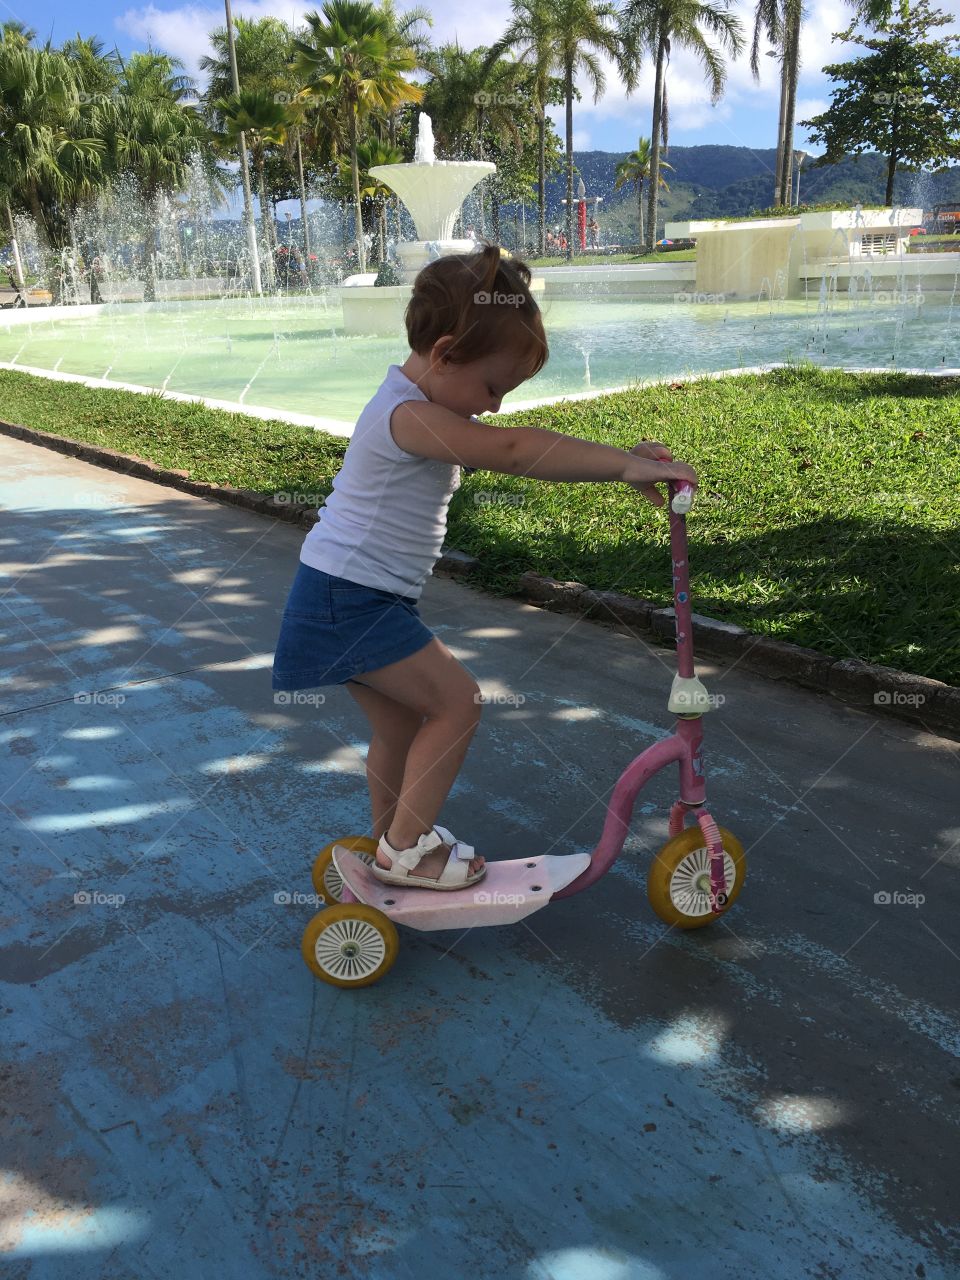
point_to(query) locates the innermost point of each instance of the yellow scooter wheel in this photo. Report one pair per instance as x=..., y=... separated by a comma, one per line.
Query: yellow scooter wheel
x=678, y=883
x=327, y=880
x=350, y=944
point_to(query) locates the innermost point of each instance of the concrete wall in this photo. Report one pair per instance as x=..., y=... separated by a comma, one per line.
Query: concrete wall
x=743, y=259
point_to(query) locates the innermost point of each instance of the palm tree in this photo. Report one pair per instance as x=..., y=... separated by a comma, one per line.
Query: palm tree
x=530, y=35
x=16, y=33
x=155, y=135
x=264, y=122
x=263, y=50
x=780, y=21
x=581, y=29
x=636, y=169
x=52, y=153
x=407, y=34
x=658, y=27
x=354, y=54
x=370, y=154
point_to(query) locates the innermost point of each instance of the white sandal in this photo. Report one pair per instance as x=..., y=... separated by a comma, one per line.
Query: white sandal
x=455, y=874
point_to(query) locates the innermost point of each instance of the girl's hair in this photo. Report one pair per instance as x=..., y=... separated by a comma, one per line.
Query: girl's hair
x=483, y=301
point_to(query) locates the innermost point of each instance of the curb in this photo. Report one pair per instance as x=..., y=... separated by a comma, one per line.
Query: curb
x=927, y=703
x=882, y=690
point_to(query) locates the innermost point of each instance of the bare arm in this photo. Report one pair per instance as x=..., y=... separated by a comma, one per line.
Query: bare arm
x=431, y=431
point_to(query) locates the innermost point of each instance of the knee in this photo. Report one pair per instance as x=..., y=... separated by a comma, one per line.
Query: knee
x=464, y=707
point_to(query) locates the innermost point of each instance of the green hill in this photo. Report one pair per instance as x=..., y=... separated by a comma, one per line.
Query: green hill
x=714, y=181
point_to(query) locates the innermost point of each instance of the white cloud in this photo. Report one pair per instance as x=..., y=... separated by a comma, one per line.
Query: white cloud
x=184, y=30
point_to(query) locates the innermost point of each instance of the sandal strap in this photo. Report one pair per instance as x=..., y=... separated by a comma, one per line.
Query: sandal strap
x=460, y=854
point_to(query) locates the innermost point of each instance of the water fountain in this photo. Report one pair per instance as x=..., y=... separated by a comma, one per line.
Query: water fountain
x=433, y=191
x=314, y=354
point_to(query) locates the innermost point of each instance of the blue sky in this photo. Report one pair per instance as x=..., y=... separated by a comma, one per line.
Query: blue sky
x=747, y=115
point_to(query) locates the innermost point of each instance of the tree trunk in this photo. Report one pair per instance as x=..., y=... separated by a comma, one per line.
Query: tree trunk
x=355, y=175
x=541, y=183
x=793, y=71
x=640, y=211
x=17, y=264
x=568, y=94
x=778, y=180
x=893, y=157
x=383, y=231
x=654, y=176
x=305, y=228
x=149, y=266
x=495, y=214
x=264, y=215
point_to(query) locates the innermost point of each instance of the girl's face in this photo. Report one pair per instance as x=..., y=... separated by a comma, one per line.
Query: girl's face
x=477, y=387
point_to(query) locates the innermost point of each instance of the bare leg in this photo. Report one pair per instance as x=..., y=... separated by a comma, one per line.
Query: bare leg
x=393, y=727
x=434, y=685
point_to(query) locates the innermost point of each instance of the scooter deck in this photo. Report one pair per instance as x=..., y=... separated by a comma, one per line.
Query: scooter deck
x=508, y=892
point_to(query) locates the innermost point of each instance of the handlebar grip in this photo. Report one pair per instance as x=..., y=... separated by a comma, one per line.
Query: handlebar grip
x=682, y=499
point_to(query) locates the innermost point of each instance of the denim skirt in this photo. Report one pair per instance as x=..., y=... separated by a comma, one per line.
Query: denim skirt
x=333, y=629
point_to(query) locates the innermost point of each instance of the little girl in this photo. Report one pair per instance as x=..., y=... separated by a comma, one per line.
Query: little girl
x=351, y=618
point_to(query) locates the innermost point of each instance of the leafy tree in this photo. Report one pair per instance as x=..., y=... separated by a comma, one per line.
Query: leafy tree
x=902, y=99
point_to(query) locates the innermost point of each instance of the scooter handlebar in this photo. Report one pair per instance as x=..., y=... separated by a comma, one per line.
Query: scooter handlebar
x=682, y=499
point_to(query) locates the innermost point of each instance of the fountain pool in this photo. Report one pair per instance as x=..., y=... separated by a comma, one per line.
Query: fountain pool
x=290, y=354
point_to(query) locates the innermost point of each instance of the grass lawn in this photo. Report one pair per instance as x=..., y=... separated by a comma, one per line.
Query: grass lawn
x=829, y=511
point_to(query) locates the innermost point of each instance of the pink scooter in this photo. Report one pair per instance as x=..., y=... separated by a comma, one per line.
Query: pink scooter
x=694, y=878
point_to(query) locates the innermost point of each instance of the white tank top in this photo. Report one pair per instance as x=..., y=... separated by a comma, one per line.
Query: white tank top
x=384, y=523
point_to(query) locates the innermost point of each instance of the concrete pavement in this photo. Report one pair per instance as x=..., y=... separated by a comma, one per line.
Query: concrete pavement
x=586, y=1096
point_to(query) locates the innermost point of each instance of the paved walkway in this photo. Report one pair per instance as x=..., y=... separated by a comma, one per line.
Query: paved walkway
x=587, y=1096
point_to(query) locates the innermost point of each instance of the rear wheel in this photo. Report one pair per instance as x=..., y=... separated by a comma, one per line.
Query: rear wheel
x=327, y=880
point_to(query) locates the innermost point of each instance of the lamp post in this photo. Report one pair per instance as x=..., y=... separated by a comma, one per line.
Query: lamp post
x=799, y=156
x=244, y=166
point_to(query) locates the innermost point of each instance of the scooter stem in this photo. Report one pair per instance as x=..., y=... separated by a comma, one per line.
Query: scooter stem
x=681, y=582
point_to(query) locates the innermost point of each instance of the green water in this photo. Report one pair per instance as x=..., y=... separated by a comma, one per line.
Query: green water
x=291, y=354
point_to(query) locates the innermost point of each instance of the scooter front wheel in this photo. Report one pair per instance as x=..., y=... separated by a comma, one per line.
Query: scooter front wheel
x=327, y=880
x=678, y=883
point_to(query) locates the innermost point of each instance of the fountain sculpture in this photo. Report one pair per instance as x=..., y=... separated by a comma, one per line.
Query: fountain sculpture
x=433, y=191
